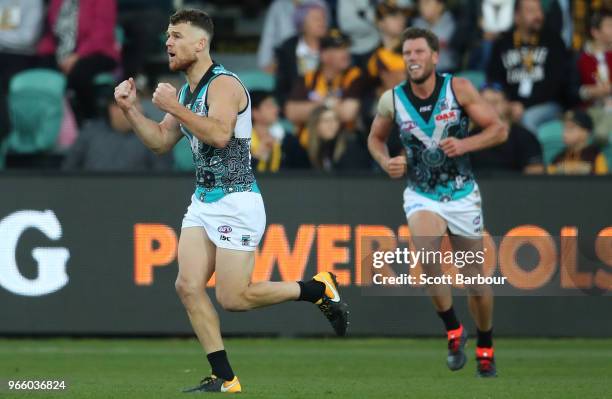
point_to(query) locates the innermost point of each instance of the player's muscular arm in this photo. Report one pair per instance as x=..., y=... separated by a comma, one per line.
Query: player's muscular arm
x=493, y=132
x=159, y=137
x=226, y=97
x=377, y=140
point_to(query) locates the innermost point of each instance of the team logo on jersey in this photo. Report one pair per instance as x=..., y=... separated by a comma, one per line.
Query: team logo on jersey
x=448, y=116
x=224, y=229
x=425, y=108
x=443, y=104
x=407, y=126
x=198, y=107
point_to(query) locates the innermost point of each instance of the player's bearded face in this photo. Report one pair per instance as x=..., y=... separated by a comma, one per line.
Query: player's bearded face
x=420, y=60
x=181, y=47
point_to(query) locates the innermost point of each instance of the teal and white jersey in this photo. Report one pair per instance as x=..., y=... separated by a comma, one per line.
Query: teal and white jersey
x=219, y=171
x=430, y=172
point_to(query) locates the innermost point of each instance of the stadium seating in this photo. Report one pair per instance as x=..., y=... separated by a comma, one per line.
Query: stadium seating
x=550, y=136
x=36, y=110
x=255, y=79
x=608, y=153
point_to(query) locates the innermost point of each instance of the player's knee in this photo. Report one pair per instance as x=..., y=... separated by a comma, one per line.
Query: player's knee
x=186, y=289
x=232, y=302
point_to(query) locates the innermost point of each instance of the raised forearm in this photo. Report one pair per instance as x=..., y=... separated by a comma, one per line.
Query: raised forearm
x=207, y=129
x=149, y=132
x=493, y=135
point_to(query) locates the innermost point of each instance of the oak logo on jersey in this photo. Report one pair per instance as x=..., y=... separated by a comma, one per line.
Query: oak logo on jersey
x=449, y=116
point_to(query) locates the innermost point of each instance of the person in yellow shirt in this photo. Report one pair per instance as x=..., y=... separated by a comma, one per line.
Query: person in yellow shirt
x=265, y=138
x=579, y=157
x=386, y=67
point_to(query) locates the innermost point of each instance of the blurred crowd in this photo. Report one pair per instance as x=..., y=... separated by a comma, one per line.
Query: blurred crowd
x=545, y=66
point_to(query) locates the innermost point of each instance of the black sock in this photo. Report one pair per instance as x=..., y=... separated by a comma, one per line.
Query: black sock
x=311, y=291
x=220, y=365
x=450, y=319
x=485, y=339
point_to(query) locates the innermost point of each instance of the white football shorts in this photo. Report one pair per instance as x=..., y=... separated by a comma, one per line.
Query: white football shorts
x=236, y=221
x=463, y=216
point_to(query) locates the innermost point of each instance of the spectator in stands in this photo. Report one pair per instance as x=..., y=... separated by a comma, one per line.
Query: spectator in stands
x=108, y=144
x=570, y=19
x=299, y=54
x=266, y=153
x=496, y=17
x=278, y=27
x=141, y=42
x=521, y=153
x=79, y=39
x=331, y=148
x=386, y=66
x=535, y=68
x=356, y=19
x=434, y=16
x=335, y=84
x=20, y=25
x=579, y=157
x=595, y=67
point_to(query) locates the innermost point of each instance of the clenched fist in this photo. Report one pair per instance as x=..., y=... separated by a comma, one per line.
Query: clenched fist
x=453, y=147
x=125, y=94
x=165, y=97
x=396, y=167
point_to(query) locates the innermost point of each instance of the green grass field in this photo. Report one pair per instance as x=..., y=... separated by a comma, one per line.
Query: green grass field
x=310, y=368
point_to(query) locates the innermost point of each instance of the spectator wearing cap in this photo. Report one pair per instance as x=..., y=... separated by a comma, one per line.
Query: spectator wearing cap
x=356, y=18
x=535, y=68
x=336, y=84
x=386, y=66
x=299, y=54
x=579, y=157
x=521, y=153
x=433, y=15
x=595, y=67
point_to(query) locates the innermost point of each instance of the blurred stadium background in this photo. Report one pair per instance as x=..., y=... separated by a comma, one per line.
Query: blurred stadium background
x=89, y=218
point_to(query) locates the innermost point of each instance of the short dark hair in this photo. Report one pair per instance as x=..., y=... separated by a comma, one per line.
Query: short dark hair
x=517, y=5
x=194, y=17
x=598, y=18
x=417, y=33
x=259, y=96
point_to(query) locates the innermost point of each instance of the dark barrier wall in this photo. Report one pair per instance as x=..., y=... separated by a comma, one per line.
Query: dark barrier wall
x=97, y=255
